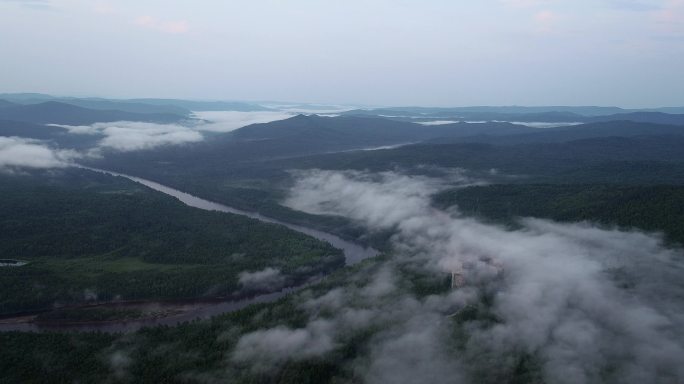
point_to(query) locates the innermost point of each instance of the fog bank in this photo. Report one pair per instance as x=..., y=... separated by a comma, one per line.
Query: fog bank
x=589, y=305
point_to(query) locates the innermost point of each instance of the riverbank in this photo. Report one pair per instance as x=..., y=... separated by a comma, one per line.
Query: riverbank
x=152, y=313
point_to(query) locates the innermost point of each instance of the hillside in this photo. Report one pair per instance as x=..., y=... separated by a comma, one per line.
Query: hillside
x=195, y=105
x=577, y=132
x=5, y=104
x=89, y=236
x=645, y=207
x=53, y=112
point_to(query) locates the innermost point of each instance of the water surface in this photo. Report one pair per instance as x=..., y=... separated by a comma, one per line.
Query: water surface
x=353, y=254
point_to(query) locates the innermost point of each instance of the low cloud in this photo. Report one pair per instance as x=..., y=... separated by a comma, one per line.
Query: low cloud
x=120, y=363
x=393, y=198
x=438, y=122
x=20, y=152
x=587, y=304
x=226, y=121
x=133, y=136
x=265, y=280
x=272, y=346
x=137, y=136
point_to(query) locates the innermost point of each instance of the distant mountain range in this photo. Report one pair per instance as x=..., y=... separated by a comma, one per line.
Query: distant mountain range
x=643, y=117
x=144, y=105
x=194, y=105
x=563, y=134
x=369, y=131
x=303, y=136
x=527, y=114
x=53, y=112
x=431, y=112
x=5, y=103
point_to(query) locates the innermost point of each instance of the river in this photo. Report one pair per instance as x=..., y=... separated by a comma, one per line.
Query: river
x=190, y=310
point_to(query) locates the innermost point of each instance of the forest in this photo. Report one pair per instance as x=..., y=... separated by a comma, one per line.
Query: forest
x=200, y=351
x=657, y=208
x=93, y=237
x=90, y=237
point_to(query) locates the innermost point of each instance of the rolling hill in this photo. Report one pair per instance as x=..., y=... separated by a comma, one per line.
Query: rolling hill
x=53, y=112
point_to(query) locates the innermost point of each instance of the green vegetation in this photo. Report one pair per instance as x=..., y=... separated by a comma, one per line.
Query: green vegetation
x=90, y=236
x=201, y=351
x=54, y=357
x=96, y=237
x=246, y=175
x=649, y=208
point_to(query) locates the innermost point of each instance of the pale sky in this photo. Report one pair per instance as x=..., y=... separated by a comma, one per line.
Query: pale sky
x=373, y=52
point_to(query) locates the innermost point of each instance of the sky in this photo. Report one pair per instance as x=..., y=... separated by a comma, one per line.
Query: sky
x=627, y=53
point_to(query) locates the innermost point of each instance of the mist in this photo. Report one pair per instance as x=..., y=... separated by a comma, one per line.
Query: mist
x=590, y=304
x=268, y=279
x=20, y=152
x=126, y=136
x=226, y=121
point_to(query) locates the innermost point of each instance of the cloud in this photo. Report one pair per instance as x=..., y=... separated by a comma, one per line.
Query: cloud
x=275, y=345
x=438, y=122
x=414, y=353
x=376, y=207
x=267, y=279
x=133, y=136
x=589, y=304
x=20, y=152
x=119, y=364
x=137, y=136
x=226, y=121
x=166, y=26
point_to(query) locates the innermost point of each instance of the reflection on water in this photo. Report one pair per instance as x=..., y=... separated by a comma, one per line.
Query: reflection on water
x=353, y=253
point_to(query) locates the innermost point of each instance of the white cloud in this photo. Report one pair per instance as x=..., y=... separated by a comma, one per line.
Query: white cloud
x=585, y=301
x=137, y=136
x=20, y=152
x=282, y=343
x=377, y=206
x=538, y=124
x=266, y=279
x=437, y=122
x=132, y=136
x=226, y=121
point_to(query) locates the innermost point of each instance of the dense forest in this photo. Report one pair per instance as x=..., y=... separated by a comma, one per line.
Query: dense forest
x=201, y=351
x=90, y=237
x=260, y=184
x=658, y=208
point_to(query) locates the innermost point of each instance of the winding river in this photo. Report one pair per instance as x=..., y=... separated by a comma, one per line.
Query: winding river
x=189, y=310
